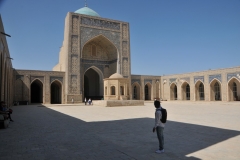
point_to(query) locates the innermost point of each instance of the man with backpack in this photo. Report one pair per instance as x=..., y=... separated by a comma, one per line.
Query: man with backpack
x=160, y=120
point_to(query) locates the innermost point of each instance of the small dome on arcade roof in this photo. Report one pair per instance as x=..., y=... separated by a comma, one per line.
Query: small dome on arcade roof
x=116, y=75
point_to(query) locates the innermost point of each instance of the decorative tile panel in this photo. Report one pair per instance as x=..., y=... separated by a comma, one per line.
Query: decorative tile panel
x=125, y=66
x=196, y=78
x=217, y=76
x=76, y=98
x=56, y=78
x=73, y=84
x=100, y=23
x=147, y=81
x=74, y=60
x=41, y=78
x=172, y=80
x=124, y=31
x=235, y=75
x=98, y=61
x=74, y=44
x=87, y=66
x=125, y=48
x=136, y=80
x=75, y=24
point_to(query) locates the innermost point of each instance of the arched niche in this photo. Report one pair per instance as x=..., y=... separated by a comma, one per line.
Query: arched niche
x=56, y=92
x=215, y=90
x=233, y=89
x=199, y=91
x=147, y=91
x=136, y=91
x=185, y=91
x=93, y=83
x=173, y=92
x=37, y=91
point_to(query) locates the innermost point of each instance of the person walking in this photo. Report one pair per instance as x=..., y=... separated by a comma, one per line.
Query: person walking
x=85, y=100
x=159, y=126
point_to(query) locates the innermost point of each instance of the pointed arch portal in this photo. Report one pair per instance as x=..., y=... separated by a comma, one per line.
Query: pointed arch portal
x=37, y=92
x=173, y=90
x=56, y=93
x=136, y=91
x=93, y=84
x=234, y=90
x=147, y=91
x=215, y=87
x=199, y=91
x=185, y=91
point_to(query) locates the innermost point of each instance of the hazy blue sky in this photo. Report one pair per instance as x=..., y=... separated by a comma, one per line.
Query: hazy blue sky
x=167, y=36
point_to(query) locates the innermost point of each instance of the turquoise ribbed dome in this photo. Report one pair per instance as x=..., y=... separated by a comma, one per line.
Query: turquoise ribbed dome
x=87, y=11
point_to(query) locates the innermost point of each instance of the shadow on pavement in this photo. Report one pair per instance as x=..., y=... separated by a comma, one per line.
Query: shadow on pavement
x=42, y=133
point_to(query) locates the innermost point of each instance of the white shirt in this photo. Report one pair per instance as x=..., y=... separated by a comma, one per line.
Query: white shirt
x=158, y=116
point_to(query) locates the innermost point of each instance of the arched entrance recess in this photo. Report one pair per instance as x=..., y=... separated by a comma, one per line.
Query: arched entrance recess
x=185, y=91
x=147, y=91
x=93, y=83
x=36, y=91
x=234, y=90
x=173, y=92
x=99, y=51
x=199, y=91
x=215, y=90
x=56, y=92
x=136, y=91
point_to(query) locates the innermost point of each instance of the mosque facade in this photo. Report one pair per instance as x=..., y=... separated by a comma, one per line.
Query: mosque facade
x=93, y=49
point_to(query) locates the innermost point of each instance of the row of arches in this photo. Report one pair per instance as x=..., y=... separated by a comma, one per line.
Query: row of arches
x=136, y=90
x=113, y=90
x=37, y=91
x=233, y=91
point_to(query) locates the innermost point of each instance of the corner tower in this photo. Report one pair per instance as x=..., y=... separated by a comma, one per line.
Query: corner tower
x=93, y=49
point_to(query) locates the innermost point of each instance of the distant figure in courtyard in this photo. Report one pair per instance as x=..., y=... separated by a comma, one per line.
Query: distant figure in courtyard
x=5, y=110
x=85, y=100
x=72, y=101
x=89, y=101
x=159, y=126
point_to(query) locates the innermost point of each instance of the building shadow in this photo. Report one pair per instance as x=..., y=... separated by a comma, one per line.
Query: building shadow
x=135, y=137
x=49, y=134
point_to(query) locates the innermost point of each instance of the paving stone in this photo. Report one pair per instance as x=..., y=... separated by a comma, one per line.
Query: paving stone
x=193, y=131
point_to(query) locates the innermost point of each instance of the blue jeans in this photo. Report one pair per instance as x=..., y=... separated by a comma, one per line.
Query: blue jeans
x=160, y=137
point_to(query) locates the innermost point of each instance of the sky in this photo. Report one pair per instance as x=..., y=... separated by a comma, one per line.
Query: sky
x=166, y=36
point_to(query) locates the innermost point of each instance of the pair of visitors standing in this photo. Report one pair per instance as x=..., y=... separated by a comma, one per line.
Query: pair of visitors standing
x=90, y=101
x=159, y=126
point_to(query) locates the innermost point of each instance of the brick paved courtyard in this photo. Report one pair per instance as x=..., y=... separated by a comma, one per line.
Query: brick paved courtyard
x=203, y=130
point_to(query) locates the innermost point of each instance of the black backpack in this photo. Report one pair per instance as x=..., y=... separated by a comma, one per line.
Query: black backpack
x=164, y=115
